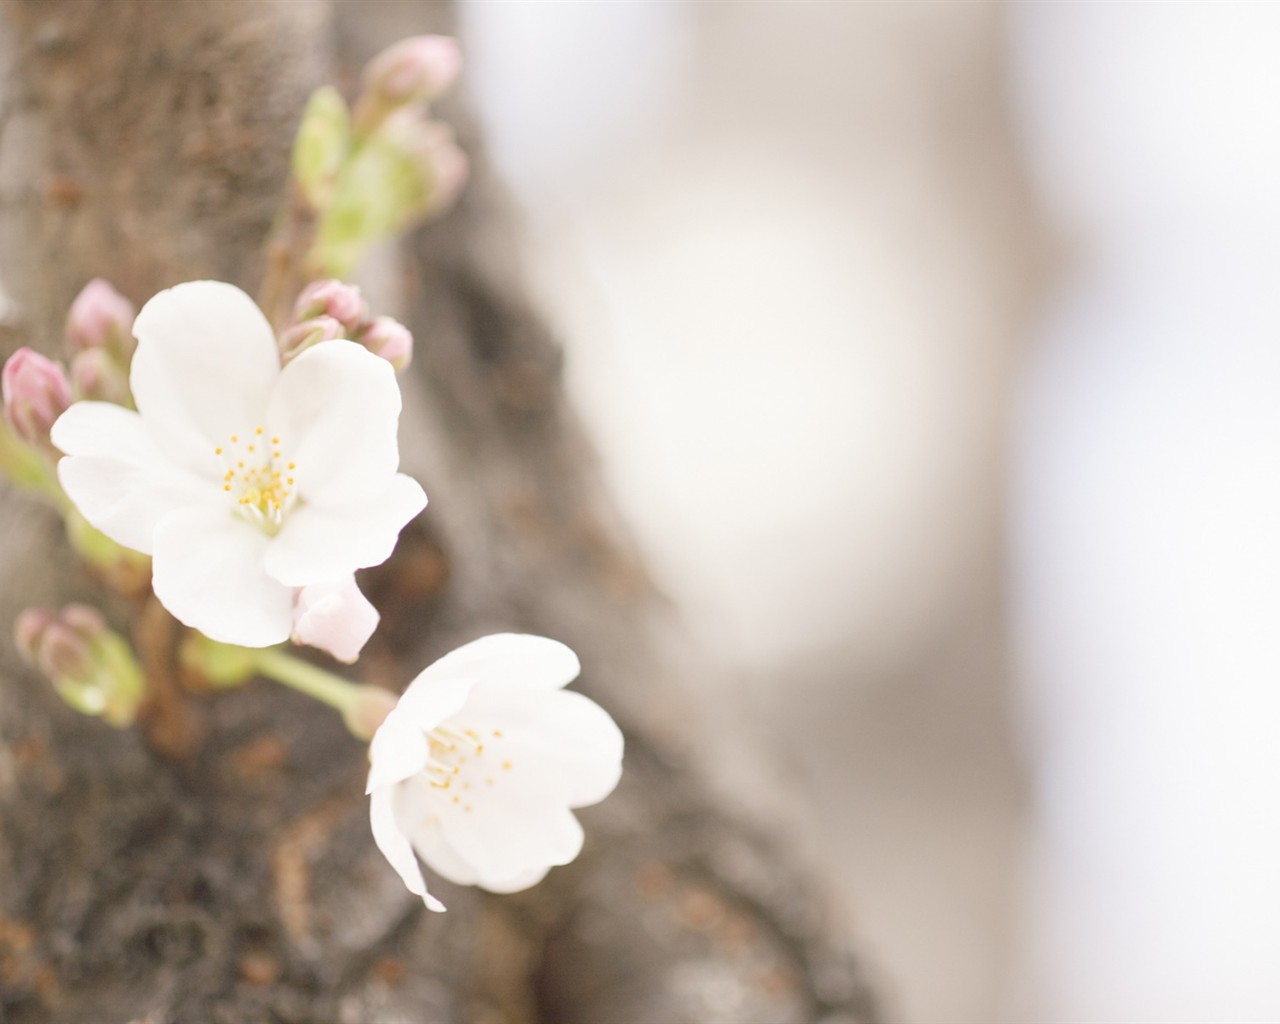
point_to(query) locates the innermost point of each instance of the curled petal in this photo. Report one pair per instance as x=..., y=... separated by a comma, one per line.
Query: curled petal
x=398, y=751
x=207, y=571
x=204, y=369
x=396, y=847
x=319, y=543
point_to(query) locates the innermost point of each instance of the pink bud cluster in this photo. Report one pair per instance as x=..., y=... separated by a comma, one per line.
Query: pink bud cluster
x=331, y=309
x=410, y=72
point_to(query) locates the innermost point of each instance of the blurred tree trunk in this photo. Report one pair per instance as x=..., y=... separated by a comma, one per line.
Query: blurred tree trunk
x=237, y=881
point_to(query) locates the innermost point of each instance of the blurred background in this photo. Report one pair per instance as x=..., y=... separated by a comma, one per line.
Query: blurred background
x=933, y=350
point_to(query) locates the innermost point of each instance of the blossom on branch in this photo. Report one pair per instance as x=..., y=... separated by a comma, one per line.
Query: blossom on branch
x=478, y=767
x=242, y=480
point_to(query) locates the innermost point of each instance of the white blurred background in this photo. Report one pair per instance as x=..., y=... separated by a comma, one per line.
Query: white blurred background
x=933, y=350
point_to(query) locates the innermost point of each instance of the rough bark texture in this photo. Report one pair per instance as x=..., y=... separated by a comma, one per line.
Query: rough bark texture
x=237, y=882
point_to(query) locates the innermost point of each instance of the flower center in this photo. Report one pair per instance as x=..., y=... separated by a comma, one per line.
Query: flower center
x=463, y=761
x=258, y=478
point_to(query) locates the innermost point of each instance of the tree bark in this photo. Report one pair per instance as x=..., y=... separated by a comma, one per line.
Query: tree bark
x=221, y=869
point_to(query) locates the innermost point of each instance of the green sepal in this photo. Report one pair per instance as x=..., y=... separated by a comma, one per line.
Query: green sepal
x=321, y=146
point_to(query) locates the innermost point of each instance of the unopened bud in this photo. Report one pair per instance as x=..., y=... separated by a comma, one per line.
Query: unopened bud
x=300, y=337
x=101, y=317
x=368, y=710
x=97, y=376
x=65, y=655
x=29, y=629
x=389, y=339
x=92, y=668
x=333, y=298
x=36, y=392
x=414, y=70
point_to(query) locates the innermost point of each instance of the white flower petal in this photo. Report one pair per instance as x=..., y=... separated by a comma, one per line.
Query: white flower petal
x=207, y=571
x=204, y=369
x=398, y=751
x=516, y=661
x=117, y=478
x=434, y=850
x=396, y=847
x=519, y=825
x=428, y=701
x=335, y=617
x=566, y=728
x=337, y=407
x=319, y=543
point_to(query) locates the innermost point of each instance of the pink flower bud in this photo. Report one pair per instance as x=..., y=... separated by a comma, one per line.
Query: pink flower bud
x=368, y=710
x=87, y=622
x=389, y=339
x=101, y=317
x=36, y=392
x=96, y=376
x=92, y=668
x=64, y=654
x=28, y=631
x=300, y=337
x=414, y=70
x=334, y=617
x=337, y=299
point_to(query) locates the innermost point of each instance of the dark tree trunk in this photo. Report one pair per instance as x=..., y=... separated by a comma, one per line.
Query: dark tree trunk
x=217, y=866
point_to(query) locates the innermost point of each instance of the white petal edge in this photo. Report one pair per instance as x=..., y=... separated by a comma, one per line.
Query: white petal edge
x=204, y=369
x=336, y=408
x=397, y=752
x=516, y=661
x=569, y=730
x=117, y=478
x=318, y=544
x=395, y=846
x=207, y=571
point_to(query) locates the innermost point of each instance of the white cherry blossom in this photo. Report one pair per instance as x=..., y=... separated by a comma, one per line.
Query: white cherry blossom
x=477, y=768
x=243, y=481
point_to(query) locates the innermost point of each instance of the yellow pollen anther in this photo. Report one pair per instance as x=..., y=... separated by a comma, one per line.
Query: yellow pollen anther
x=218, y=450
x=497, y=733
x=252, y=448
x=257, y=430
x=506, y=766
x=293, y=465
x=234, y=438
x=457, y=799
x=226, y=487
x=275, y=440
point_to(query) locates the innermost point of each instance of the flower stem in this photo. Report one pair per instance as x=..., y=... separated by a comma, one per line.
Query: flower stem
x=306, y=678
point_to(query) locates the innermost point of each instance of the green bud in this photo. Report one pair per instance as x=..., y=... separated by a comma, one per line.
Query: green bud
x=92, y=668
x=321, y=146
